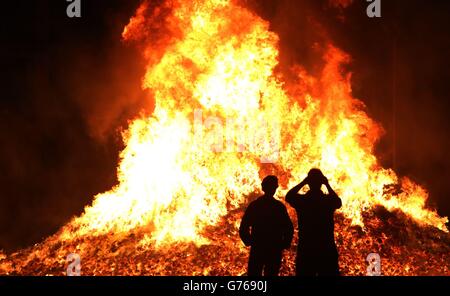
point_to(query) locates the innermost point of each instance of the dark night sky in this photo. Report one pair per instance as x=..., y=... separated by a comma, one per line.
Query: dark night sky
x=69, y=85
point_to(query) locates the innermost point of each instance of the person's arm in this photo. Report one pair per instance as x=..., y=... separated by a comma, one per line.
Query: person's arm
x=244, y=228
x=292, y=197
x=336, y=202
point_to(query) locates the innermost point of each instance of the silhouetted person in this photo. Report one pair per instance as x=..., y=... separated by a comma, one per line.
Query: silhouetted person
x=267, y=228
x=316, y=251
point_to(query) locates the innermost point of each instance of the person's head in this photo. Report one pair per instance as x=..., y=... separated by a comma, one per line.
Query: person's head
x=315, y=179
x=269, y=185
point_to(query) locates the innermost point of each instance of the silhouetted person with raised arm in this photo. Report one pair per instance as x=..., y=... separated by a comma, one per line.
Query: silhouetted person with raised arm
x=267, y=228
x=316, y=251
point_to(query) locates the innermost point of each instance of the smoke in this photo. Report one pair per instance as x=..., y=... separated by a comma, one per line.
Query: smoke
x=68, y=87
x=340, y=3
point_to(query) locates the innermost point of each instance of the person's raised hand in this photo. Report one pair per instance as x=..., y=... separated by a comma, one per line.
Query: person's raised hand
x=305, y=181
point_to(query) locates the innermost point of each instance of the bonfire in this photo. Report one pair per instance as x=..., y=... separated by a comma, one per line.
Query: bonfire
x=225, y=115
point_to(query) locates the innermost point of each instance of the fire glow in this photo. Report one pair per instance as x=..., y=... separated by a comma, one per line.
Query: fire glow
x=174, y=181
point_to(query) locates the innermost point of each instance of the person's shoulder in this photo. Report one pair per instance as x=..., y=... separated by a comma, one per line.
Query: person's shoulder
x=256, y=201
x=280, y=204
x=330, y=196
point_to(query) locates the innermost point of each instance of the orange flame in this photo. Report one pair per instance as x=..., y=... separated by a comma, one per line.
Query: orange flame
x=220, y=111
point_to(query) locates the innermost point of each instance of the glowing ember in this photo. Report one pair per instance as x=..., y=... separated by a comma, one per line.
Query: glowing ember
x=211, y=63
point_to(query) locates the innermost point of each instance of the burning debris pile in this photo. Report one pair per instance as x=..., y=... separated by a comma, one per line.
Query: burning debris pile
x=405, y=248
x=224, y=117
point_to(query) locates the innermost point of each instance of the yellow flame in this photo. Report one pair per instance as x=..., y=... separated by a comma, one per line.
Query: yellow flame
x=220, y=111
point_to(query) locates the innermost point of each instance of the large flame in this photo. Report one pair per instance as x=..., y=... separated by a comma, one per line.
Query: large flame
x=214, y=86
x=220, y=113
x=222, y=118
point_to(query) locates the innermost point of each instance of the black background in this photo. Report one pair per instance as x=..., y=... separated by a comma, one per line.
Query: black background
x=176, y=285
x=69, y=85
